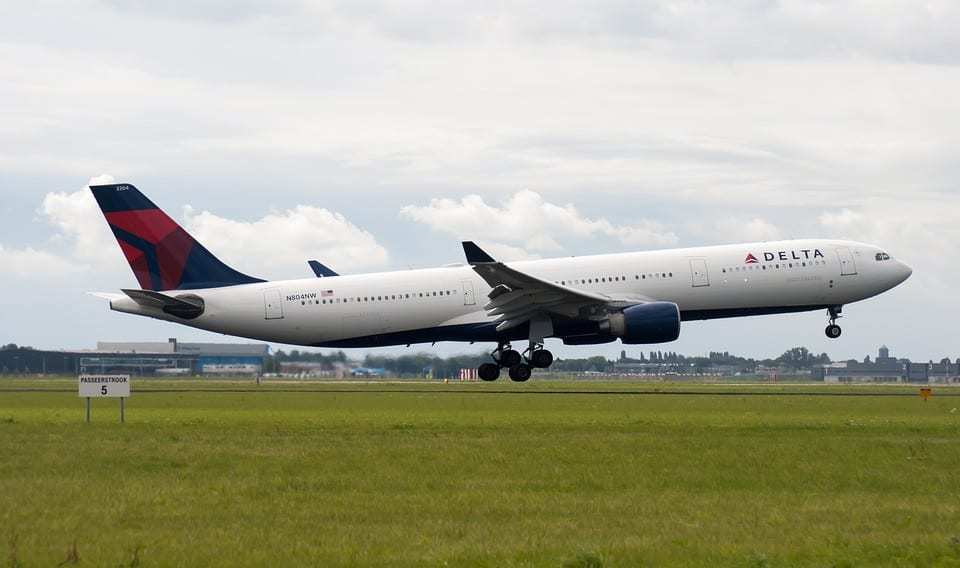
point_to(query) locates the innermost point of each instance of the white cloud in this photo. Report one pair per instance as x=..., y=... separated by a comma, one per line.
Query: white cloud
x=527, y=219
x=762, y=113
x=504, y=252
x=917, y=232
x=842, y=220
x=283, y=241
x=30, y=263
x=80, y=240
x=82, y=231
x=735, y=229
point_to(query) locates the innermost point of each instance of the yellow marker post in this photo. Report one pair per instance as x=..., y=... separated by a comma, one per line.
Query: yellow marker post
x=926, y=393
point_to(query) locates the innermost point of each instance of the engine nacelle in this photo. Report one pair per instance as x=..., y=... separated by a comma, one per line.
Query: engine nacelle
x=655, y=322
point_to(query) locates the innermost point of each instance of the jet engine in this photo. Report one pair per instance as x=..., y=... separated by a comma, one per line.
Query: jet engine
x=653, y=322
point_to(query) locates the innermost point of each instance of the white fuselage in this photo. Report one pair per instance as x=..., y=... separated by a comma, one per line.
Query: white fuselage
x=446, y=303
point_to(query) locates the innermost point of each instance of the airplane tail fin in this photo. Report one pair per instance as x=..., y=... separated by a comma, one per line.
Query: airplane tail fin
x=162, y=255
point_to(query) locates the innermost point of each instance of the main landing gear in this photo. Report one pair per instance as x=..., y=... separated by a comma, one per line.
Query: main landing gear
x=520, y=366
x=833, y=330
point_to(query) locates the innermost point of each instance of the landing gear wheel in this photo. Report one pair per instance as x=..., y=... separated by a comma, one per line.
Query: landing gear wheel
x=833, y=330
x=541, y=358
x=510, y=358
x=520, y=373
x=488, y=372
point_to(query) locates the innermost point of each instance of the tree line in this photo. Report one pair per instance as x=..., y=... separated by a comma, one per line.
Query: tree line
x=420, y=364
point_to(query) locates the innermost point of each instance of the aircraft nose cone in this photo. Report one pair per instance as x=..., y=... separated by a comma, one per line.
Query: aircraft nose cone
x=903, y=271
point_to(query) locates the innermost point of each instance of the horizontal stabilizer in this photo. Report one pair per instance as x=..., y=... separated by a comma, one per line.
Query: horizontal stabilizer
x=186, y=307
x=109, y=296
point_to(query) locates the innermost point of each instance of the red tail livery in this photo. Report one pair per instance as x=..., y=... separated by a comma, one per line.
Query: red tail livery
x=162, y=255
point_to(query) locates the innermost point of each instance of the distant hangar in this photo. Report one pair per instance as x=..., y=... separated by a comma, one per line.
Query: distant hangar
x=153, y=358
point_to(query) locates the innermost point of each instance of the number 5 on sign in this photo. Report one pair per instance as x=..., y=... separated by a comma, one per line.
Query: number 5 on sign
x=104, y=386
x=99, y=386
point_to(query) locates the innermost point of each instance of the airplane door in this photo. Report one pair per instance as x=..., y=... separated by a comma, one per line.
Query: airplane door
x=698, y=272
x=469, y=299
x=272, y=304
x=848, y=266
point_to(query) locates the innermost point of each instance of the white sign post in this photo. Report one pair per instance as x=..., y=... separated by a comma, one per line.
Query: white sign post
x=104, y=386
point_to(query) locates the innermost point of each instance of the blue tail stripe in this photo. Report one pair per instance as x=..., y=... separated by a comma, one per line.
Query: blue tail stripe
x=203, y=270
x=120, y=197
x=149, y=251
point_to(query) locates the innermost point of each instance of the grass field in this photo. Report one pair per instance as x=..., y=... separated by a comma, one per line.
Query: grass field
x=542, y=474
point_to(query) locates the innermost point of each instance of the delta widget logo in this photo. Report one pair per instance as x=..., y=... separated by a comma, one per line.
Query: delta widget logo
x=801, y=254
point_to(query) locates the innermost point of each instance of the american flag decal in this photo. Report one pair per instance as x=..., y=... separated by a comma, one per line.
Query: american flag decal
x=326, y=293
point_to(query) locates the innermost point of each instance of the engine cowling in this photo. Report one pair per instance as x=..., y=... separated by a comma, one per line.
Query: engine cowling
x=654, y=322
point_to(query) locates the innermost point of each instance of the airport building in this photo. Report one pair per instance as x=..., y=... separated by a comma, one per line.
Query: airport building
x=889, y=369
x=160, y=358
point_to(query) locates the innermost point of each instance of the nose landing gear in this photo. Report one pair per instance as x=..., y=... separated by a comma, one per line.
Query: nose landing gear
x=833, y=330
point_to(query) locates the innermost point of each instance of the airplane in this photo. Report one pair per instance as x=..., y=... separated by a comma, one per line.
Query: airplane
x=636, y=298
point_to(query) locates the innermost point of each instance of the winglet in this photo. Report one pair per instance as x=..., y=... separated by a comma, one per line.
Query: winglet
x=320, y=269
x=475, y=254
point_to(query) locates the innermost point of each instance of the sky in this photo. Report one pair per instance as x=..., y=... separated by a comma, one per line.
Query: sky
x=376, y=135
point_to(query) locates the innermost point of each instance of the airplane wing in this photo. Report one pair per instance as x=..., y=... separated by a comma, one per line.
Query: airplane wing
x=518, y=297
x=321, y=269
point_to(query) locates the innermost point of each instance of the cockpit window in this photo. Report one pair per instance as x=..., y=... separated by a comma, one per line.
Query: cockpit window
x=881, y=256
